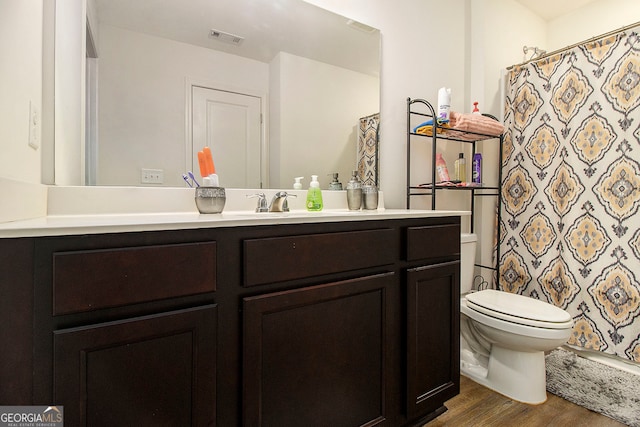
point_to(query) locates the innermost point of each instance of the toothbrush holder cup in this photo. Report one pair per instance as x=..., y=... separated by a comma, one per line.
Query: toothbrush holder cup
x=210, y=200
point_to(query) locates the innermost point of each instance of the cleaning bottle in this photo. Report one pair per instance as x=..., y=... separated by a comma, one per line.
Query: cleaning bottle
x=441, y=169
x=460, y=168
x=444, y=104
x=314, y=195
x=354, y=192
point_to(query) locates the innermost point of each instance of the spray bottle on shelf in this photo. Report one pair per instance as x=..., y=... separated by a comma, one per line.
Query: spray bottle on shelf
x=444, y=104
x=314, y=195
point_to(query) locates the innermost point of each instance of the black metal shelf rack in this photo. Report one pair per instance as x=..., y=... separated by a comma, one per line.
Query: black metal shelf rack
x=420, y=107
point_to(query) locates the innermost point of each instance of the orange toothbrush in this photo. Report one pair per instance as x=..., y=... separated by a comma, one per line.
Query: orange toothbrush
x=203, y=164
x=211, y=168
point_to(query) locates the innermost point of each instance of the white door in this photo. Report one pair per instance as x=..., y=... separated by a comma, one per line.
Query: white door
x=229, y=124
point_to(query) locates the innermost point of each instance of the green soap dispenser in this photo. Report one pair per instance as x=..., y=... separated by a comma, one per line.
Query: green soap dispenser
x=314, y=195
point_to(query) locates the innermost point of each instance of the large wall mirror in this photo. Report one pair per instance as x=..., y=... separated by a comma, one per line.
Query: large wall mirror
x=276, y=88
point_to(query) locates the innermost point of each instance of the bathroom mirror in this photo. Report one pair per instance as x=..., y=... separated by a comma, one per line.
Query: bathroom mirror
x=307, y=73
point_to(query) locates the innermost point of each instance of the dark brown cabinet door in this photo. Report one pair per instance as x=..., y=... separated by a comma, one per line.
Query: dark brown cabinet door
x=433, y=337
x=155, y=370
x=316, y=356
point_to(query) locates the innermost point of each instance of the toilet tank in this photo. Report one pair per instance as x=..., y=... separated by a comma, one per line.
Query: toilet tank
x=467, y=261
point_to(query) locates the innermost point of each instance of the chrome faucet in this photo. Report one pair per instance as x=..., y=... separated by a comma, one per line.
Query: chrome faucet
x=279, y=202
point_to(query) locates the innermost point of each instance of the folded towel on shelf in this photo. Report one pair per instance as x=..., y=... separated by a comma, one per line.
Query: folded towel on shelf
x=426, y=128
x=475, y=123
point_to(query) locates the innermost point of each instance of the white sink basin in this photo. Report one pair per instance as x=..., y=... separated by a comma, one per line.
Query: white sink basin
x=293, y=214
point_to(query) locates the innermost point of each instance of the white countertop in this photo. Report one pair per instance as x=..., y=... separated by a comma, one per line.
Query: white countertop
x=94, y=210
x=60, y=225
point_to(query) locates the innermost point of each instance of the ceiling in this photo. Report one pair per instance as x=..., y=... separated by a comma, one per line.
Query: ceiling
x=267, y=26
x=551, y=9
x=270, y=26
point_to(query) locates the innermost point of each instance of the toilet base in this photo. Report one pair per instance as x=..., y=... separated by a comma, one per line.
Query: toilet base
x=518, y=375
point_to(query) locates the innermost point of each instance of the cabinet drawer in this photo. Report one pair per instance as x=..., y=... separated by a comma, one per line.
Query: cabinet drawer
x=95, y=279
x=435, y=241
x=277, y=259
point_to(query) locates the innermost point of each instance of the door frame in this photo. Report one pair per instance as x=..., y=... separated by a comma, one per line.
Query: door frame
x=191, y=82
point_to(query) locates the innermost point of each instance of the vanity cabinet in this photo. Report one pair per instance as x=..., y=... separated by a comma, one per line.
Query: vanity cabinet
x=152, y=370
x=432, y=318
x=346, y=323
x=125, y=329
x=433, y=351
x=315, y=356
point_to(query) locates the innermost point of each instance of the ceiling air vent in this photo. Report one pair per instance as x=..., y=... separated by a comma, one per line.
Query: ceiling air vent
x=226, y=37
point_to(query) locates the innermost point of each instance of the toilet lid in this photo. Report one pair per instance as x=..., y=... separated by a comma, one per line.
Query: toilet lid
x=518, y=308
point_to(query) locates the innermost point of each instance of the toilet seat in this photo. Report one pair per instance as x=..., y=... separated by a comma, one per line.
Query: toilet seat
x=518, y=309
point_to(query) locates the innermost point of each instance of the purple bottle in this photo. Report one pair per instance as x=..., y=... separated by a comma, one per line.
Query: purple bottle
x=476, y=168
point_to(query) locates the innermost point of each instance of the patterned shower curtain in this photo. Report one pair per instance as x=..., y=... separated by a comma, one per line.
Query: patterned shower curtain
x=367, y=150
x=569, y=227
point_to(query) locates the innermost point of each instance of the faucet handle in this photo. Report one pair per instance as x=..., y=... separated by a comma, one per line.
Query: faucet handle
x=262, y=201
x=285, y=204
x=283, y=194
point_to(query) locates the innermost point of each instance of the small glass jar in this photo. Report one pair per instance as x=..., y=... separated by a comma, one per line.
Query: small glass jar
x=370, y=197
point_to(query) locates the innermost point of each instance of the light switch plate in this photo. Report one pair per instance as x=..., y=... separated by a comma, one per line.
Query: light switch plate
x=34, y=126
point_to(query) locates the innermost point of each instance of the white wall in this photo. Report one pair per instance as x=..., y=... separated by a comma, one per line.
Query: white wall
x=142, y=81
x=21, y=195
x=422, y=50
x=20, y=85
x=301, y=141
x=593, y=19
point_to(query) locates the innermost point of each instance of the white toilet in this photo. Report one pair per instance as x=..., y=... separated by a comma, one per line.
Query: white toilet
x=504, y=335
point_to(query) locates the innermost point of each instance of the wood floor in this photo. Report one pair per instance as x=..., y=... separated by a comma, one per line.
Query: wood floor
x=478, y=406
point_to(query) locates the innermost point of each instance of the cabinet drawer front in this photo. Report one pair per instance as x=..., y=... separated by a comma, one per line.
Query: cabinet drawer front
x=279, y=259
x=97, y=279
x=435, y=241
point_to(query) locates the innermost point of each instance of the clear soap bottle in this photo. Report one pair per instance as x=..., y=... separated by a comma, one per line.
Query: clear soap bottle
x=461, y=168
x=314, y=195
x=354, y=192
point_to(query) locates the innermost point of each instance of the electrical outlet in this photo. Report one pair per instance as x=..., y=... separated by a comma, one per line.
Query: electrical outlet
x=151, y=176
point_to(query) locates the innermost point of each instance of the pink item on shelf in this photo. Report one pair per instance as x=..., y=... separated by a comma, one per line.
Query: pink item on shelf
x=475, y=123
x=441, y=168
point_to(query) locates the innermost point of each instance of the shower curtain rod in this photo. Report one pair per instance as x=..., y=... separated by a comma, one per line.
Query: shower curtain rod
x=601, y=36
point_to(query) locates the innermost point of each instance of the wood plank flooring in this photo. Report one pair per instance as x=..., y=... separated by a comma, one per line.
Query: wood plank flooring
x=479, y=406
